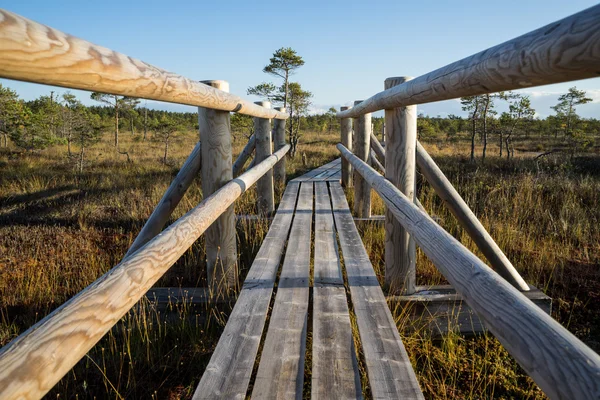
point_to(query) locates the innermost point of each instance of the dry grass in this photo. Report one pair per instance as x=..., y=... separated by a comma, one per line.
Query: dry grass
x=59, y=231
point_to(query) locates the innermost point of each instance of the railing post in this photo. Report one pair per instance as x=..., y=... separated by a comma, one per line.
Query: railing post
x=221, y=247
x=362, y=190
x=400, y=144
x=264, y=187
x=346, y=139
x=279, y=142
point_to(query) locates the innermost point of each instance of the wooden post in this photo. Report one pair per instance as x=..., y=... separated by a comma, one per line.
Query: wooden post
x=401, y=142
x=346, y=139
x=264, y=187
x=221, y=248
x=279, y=142
x=362, y=190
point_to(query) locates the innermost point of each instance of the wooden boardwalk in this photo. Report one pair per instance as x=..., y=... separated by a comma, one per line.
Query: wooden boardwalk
x=264, y=349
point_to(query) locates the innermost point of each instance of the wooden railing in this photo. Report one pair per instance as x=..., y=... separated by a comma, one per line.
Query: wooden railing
x=562, y=365
x=34, y=362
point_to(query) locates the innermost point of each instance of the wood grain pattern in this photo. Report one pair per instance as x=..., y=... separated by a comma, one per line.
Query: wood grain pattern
x=170, y=200
x=279, y=142
x=346, y=139
x=263, y=149
x=565, y=50
x=228, y=372
x=321, y=171
x=281, y=370
x=220, y=237
x=374, y=162
x=335, y=372
x=467, y=219
x=548, y=352
x=32, y=363
x=362, y=144
x=400, y=142
x=390, y=372
x=33, y=52
x=239, y=163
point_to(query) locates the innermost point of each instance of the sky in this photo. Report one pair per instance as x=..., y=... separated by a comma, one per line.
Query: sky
x=349, y=47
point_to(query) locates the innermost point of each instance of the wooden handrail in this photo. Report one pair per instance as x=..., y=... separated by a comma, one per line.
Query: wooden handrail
x=563, y=51
x=34, y=362
x=239, y=163
x=32, y=52
x=562, y=365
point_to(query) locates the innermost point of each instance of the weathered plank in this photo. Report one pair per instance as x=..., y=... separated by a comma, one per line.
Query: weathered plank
x=335, y=371
x=312, y=174
x=467, y=219
x=263, y=149
x=346, y=139
x=390, y=373
x=33, y=52
x=32, y=363
x=281, y=370
x=228, y=372
x=239, y=163
x=170, y=200
x=546, y=350
x=220, y=237
x=565, y=50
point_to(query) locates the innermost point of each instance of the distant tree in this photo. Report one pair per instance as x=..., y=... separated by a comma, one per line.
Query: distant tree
x=519, y=110
x=10, y=113
x=565, y=109
x=331, y=113
x=34, y=132
x=87, y=130
x=473, y=105
x=118, y=103
x=71, y=117
x=165, y=129
x=266, y=91
x=299, y=101
x=283, y=64
x=486, y=111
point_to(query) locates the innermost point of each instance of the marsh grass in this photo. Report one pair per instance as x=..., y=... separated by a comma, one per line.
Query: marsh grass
x=61, y=230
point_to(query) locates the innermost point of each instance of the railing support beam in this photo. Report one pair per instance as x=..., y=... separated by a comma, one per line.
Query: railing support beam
x=346, y=139
x=264, y=187
x=401, y=141
x=279, y=142
x=362, y=190
x=221, y=246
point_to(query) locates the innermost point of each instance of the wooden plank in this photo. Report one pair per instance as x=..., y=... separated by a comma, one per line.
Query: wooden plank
x=34, y=362
x=281, y=370
x=468, y=220
x=562, y=51
x=228, y=372
x=310, y=175
x=400, y=169
x=335, y=372
x=220, y=238
x=390, y=372
x=33, y=52
x=438, y=309
x=546, y=350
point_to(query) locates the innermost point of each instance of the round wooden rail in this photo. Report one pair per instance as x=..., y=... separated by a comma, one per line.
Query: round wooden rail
x=562, y=365
x=33, y=52
x=563, y=51
x=34, y=362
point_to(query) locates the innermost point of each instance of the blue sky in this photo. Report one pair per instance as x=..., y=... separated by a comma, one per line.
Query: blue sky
x=350, y=47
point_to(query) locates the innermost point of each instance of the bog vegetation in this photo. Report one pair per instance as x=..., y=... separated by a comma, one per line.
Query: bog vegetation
x=78, y=182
